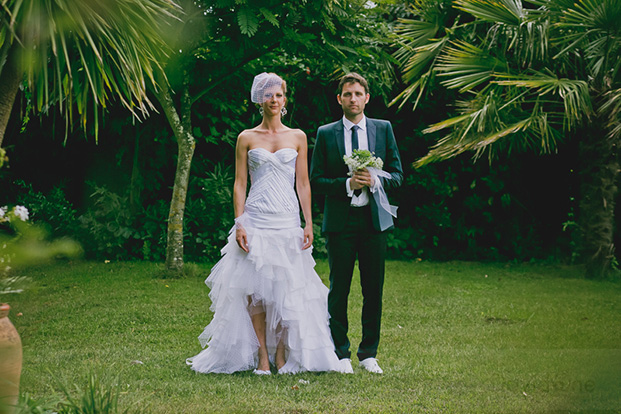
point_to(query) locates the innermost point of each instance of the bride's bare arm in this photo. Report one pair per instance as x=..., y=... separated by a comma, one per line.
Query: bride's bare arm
x=303, y=188
x=239, y=188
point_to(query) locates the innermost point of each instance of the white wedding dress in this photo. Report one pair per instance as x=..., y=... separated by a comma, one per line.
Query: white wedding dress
x=276, y=277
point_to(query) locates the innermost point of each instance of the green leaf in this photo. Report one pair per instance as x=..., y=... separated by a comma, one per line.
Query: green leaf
x=3, y=31
x=213, y=131
x=293, y=18
x=248, y=22
x=269, y=16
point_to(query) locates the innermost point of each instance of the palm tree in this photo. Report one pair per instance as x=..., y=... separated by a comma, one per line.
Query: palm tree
x=530, y=74
x=80, y=54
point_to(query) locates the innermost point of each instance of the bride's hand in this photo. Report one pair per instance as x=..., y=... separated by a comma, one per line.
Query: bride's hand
x=242, y=239
x=308, y=237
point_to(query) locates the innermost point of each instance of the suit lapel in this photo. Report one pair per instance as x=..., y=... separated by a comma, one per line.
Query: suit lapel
x=339, y=137
x=371, y=134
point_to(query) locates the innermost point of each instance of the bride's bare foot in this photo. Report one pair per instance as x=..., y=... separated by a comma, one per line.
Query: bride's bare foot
x=280, y=357
x=264, y=362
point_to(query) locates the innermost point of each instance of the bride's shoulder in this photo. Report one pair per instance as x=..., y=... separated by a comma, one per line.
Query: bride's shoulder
x=292, y=133
x=297, y=133
x=299, y=137
x=246, y=138
x=248, y=135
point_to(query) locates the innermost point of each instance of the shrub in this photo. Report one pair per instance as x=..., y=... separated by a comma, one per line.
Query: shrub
x=209, y=214
x=113, y=231
x=51, y=210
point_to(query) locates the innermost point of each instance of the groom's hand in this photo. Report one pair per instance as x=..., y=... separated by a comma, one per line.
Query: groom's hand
x=361, y=178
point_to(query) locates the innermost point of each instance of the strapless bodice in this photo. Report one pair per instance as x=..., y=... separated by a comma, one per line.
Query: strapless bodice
x=272, y=176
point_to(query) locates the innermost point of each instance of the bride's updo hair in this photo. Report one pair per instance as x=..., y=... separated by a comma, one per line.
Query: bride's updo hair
x=264, y=82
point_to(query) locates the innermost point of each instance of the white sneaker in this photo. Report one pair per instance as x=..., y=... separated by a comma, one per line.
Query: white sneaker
x=371, y=365
x=346, y=367
x=261, y=372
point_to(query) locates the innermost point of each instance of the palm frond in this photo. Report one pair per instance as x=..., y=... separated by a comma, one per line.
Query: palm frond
x=611, y=111
x=592, y=14
x=467, y=66
x=418, y=71
x=85, y=52
x=419, y=42
x=419, y=85
x=422, y=58
x=529, y=74
x=509, y=12
x=532, y=131
x=412, y=34
x=479, y=116
x=592, y=27
x=497, y=119
x=432, y=10
x=448, y=123
x=454, y=144
x=574, y=93
x=531, y=41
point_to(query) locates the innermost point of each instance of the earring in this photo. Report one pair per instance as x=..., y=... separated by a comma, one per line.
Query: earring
x=261, y=110
x=283, y=111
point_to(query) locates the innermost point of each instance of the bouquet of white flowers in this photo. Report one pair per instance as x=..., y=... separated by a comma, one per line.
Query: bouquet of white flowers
x=360, y=159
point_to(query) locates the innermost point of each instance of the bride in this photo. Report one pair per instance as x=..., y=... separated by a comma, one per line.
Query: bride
x=269, y=304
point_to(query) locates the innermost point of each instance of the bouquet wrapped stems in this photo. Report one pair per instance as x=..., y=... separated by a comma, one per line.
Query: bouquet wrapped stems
x=360, y=159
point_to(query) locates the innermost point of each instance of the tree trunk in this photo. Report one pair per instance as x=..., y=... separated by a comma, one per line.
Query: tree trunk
x=10, y=78
x=182, y=129
x=599, y=173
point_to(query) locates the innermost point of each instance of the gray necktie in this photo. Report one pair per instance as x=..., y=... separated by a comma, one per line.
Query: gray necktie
x=354, y=146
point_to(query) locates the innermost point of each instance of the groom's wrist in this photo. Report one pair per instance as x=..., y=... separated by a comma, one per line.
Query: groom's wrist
x=350, y=191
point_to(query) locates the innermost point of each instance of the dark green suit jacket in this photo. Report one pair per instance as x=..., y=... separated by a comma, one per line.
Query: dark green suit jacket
x=328, y=172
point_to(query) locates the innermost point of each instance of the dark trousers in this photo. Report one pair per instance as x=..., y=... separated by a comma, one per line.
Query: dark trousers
x=358, y=240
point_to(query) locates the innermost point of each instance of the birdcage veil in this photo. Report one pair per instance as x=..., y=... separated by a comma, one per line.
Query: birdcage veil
x=261, y=86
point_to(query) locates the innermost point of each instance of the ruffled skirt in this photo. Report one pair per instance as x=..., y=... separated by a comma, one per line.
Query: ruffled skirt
x=276, y=277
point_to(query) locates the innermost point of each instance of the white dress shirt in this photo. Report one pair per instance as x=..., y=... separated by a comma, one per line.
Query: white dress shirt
x=363, y=143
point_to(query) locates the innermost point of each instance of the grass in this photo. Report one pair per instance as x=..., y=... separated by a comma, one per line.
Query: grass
x=457, y=337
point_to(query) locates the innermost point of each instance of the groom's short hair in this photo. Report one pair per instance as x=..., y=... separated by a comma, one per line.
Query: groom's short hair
x=353, y=77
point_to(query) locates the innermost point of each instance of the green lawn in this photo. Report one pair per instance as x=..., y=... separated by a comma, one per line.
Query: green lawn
x=457, y=337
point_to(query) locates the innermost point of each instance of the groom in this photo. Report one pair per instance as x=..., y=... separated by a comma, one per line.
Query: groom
x=355, y=222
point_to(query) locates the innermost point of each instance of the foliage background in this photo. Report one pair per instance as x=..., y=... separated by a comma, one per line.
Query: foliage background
x=116, y=199
x=113, y=195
